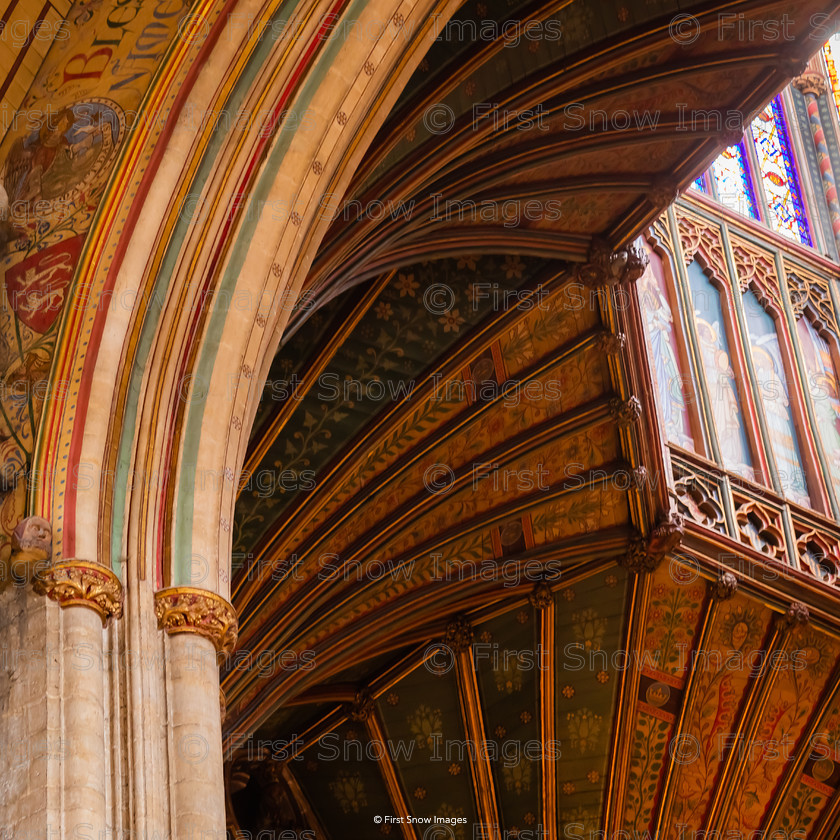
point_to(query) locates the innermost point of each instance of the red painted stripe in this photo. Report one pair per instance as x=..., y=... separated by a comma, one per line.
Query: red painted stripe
x=265, y=135
x=98, y=327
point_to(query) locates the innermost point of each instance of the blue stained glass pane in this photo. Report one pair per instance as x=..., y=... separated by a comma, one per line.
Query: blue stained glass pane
x=699, y=184
x=785, y=210
x=732, y=180
x=720, y=377
x=772, y=386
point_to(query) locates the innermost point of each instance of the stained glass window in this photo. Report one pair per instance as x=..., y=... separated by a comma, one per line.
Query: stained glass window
x=771, y=380
x=731, y=175
x=699, y=184
x=724, y=393
x=663, y=352
x=832, y=57
x=825, y=393
x=785, y=210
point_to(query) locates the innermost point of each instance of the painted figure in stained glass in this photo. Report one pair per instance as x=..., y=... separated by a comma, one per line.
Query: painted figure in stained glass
x=659, y=328
x=720, y=377
x=772, y=385
x=825, y=393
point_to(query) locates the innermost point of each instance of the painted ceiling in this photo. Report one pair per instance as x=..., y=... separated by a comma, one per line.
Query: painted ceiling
x=659, y=706
x=534, y=143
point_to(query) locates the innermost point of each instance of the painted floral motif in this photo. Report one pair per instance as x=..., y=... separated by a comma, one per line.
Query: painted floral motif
x=455, y=829
x=584, y=727
x=518, y=776
x=508, y=675
x=589, y=628
x=425, y=724
x=672, y=618
x=349, y=792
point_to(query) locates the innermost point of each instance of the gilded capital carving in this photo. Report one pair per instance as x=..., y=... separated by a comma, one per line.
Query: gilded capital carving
x=185, y=609
x=82, y=583
x=810, y=82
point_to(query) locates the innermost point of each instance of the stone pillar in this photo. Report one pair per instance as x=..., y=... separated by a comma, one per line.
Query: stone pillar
x=91, y=594
x=201, y=627
x=812, y=85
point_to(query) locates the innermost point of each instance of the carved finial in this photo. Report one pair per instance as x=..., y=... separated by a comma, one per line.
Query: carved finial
x=542, y=597
x=608, y=267
x=625, y=412
x=645, y=554
x=640, y=476
x=611, y=344
x=362, y=706
x=810, y=82
x=663, y=191
x=796, y=616
x=724, y=587
x=459, y=634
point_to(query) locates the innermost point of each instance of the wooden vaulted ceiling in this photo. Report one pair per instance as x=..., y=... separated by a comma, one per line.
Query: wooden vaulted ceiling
x=618, y=113
x=377, y=523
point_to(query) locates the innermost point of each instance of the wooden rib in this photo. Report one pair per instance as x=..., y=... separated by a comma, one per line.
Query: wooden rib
x=829, y=824
x=301, y=801
x=482, y=773
x=687, y=707
x=616, y=789
x=795, y=766
x=310, y=376
x=548, y=716
x=757, y=698
x=399, y=801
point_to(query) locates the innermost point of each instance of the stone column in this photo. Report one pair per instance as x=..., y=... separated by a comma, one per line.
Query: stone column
x=201, y=627
x=812, y=85
x=91, y=594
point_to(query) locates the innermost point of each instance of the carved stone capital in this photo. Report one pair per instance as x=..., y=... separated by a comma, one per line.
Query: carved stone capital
x=812, y=83
x=724, y=587
x=459, y=634
x=542, y=597
x=608, y=267
x=81, y=583
x=625, y=412
x=185, y=609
